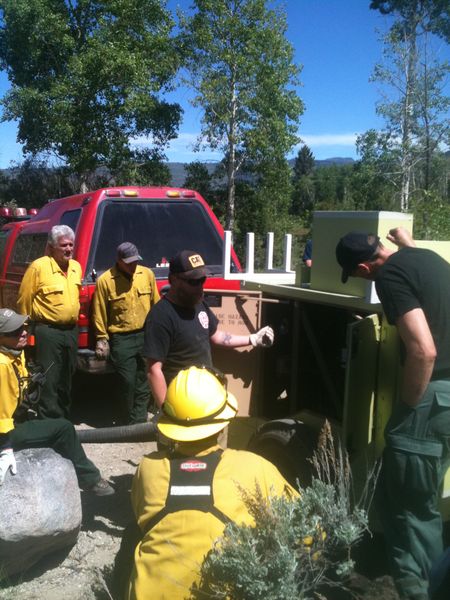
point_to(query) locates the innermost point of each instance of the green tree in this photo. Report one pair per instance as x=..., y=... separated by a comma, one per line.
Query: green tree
x=303, y=193
x=304, y=163
x=416, y=112
x=438, y=12
x=87, y=78
x=241, y=68
x=32, y=183
x=198, y=178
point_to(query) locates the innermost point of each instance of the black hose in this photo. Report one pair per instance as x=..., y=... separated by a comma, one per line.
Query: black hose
x=140, y=432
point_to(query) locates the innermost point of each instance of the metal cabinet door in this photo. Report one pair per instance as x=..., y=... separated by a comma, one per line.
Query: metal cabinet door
x=360, y=382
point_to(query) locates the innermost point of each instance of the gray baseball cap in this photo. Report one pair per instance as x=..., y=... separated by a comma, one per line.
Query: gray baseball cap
x=10, y=320
x=128, y=253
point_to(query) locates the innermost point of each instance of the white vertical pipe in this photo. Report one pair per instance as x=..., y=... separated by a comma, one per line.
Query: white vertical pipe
x=269, y=251
x=250, y=253
x=287, y=252
x=227, y=242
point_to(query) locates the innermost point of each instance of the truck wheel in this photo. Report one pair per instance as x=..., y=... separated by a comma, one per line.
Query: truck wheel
x=288, y=448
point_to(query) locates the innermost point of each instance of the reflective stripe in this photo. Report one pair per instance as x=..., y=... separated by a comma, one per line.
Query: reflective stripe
x=190, y=490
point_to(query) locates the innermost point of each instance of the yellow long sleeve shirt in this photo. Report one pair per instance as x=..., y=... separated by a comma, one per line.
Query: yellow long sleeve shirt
x=9, y=388
x=168, y=558
x=121, y=304
x=48, y=294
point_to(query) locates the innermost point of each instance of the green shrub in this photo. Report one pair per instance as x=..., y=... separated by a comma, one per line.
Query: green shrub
x=299, y=547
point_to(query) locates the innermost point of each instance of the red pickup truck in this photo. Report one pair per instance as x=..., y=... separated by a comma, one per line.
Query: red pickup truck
x=159, y=220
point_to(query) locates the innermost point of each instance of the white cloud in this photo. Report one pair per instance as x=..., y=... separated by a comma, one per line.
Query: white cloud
x=329, y=139
x=181, y=149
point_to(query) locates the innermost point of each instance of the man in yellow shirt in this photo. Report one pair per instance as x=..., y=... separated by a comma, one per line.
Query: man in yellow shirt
x=58, y=434
x=182, y=498
x=123, y=297
x=49, y=293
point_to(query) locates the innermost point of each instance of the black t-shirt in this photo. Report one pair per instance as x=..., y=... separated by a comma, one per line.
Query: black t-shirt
x=418, y=278
x=179, y=336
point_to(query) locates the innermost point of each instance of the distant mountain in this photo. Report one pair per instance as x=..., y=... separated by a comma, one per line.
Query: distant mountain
x=327, y=162
x=178, y=172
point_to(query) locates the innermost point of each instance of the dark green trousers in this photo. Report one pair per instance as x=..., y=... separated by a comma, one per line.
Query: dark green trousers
x=414, y=464
x=56, y=347
x=60, y=435
x=130, y=367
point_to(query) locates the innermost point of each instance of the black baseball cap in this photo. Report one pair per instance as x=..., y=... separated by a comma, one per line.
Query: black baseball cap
x=189, y=263
x=354, y=248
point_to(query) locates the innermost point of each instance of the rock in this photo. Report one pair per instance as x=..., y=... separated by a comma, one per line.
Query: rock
x=40, y=509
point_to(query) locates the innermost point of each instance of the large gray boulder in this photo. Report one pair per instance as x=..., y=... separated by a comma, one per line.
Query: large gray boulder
x=40, y=509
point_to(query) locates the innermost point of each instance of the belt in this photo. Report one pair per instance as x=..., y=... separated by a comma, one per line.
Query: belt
x=127, y=332
x=57, y=325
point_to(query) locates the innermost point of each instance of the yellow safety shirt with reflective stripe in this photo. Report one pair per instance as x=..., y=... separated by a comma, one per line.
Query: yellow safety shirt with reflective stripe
x=169, y=557
x=9, y=388
x=121, y=304
x=48, y=294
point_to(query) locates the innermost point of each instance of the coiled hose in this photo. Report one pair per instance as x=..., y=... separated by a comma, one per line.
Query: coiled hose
x=140, y=432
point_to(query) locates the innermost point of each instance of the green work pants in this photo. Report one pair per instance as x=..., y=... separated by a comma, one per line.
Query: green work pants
x=130, y=367
x=414, y=464
x=60, y=435
x=56, y=352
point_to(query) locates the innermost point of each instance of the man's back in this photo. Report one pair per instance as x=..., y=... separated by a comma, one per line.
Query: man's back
x=418, y=278
x=169, y=557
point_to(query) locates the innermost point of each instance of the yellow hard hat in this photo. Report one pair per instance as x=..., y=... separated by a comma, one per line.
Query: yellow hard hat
x=197, y=405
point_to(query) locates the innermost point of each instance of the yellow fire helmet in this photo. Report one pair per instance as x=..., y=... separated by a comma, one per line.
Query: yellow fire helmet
x=197, y=405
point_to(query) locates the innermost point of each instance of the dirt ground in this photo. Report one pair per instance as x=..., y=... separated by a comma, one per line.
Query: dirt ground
x=83, y=572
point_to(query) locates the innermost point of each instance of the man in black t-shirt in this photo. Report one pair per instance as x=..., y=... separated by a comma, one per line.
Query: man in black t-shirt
x=180, y=328
x=414, y=288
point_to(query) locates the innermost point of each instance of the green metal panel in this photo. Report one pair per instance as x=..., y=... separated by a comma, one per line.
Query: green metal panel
x=388, y=380
x=360, y=383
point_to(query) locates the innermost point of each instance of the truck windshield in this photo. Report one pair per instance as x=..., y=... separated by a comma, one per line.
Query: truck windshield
x=159, y=228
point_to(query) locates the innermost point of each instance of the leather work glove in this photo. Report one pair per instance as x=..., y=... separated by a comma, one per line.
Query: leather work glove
x=264, y=337
x=7, y=462
x=102, y=349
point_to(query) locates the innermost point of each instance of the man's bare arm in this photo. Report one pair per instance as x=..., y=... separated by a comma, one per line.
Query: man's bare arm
x=230, y=340
x=156, y=381
x=420, y=355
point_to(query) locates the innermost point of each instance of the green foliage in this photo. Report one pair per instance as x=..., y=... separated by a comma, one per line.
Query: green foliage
x=304, y=163
x=241, y=68
x=147, y=167
x=437, y=10
x=198, y=178
x=31, y=183
x=86, y=78
x=298, y=547
x=414, y=103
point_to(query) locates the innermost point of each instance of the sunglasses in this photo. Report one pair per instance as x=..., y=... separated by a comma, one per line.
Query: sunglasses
x=194, y=282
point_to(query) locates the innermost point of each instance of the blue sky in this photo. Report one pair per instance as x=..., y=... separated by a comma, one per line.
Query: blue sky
x=337, y=43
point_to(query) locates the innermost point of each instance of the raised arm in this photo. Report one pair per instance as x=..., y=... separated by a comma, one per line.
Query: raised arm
x=401, y=237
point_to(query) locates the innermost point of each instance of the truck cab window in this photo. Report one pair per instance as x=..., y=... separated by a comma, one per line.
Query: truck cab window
x=28, y=248
x=159, y=229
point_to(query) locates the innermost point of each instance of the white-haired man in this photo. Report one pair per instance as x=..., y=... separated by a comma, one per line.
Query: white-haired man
x=49, y=294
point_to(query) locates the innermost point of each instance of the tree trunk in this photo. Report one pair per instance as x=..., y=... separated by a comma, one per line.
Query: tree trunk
x=231, y=167
x=408, y=117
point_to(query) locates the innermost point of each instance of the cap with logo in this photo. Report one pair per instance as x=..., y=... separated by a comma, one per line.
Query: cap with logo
x=10, y=320
x=128, y=253
x=189, y=263
x=354, y=248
